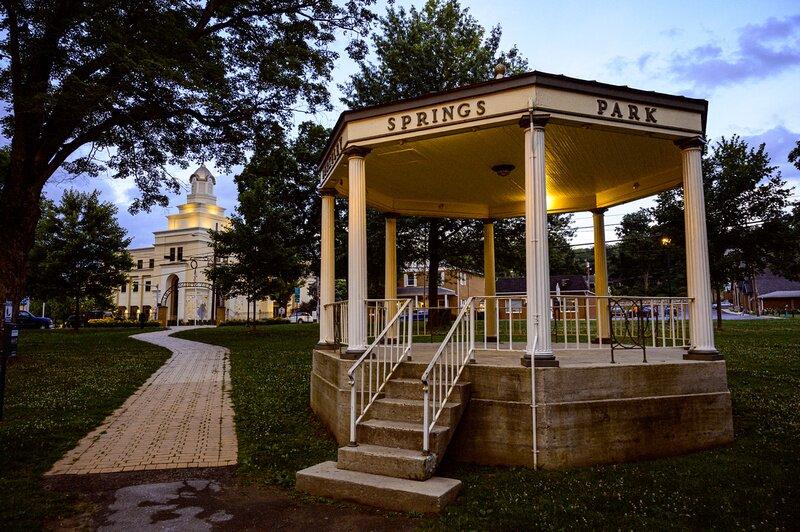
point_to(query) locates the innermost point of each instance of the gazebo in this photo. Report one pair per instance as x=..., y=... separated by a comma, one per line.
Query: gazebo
x=524, y=145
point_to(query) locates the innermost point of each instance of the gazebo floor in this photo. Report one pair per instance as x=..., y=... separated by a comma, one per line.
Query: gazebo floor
x=594, y=356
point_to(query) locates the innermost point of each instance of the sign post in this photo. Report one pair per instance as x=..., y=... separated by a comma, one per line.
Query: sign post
x=9, y=335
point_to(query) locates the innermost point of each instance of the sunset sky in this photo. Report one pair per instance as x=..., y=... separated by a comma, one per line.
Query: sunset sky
x=743, y=57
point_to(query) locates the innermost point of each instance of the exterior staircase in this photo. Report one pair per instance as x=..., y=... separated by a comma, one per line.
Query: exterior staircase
x=388, y=468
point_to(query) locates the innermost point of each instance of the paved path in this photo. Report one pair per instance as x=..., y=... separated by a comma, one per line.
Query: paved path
x=181, y=417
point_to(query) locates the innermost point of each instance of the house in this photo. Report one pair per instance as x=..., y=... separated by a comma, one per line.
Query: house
x=455, y=286
x=761, y=289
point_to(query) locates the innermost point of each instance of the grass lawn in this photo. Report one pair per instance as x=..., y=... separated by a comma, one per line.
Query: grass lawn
x=60, y=387
x=755, y=482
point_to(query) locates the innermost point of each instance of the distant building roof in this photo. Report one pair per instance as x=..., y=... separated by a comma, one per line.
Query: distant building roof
x=567, y=283
x=781, y=294
x=411, y=291
x=769, y=282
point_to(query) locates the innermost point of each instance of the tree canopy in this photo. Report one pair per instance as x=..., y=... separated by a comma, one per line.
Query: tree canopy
x=149, y=84
x=80, y=251
x=749, y=223
x=273, y=238
x=418, y=51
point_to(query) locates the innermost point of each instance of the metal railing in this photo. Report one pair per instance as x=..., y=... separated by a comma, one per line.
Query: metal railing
x=339, y=321
x=379, y=312
x=577, y=320
x=445, y=368
x=509, y=315
x=370, y=373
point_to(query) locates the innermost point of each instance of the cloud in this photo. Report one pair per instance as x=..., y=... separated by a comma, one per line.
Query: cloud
x=779, y=142
x=763, y=50
x=671, y=32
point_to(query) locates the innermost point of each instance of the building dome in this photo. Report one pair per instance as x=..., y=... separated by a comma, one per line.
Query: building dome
x=202, y=181
x=202, y=174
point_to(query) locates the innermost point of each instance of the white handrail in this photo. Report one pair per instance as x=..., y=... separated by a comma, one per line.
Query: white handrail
x=457, y=349
x=379, y=361
x=535, y=441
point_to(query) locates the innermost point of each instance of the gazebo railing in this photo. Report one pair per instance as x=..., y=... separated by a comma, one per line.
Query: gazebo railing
x=373, y=369
x=379, y=312
x=445, y=368
x=576, y=320
x=338, y=321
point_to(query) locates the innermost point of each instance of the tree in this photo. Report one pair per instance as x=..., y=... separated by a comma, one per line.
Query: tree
x=637, y=263
x=273, y=237
x=408, y=44
x=150, y=83
x=80, y=251
x=747, y=202
x=5, y=165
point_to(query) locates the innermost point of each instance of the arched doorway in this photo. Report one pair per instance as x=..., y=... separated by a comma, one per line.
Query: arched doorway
x=172, y=302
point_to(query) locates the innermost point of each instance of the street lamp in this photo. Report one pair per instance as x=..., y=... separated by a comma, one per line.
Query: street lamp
x=666, y=242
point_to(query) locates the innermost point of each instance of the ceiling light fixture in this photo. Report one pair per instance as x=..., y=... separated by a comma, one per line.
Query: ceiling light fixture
x=502, y=169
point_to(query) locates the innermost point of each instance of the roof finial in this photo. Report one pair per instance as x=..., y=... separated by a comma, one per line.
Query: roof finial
x=499, y=71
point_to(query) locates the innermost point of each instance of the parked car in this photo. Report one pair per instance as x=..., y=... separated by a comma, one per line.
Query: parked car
x=86, y=316
x=26, y=320
x=301, y=317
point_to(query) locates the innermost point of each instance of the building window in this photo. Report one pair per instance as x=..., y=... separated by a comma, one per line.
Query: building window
x=139, y=264
x=135, y=287
x=171, y=254
x=180, y=253
x=124, y=288
x=411, y=279
x=441, y=277
x=152, y=263
x=147, y=285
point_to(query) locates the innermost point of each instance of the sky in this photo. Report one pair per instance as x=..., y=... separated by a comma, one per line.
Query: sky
x=741, y=56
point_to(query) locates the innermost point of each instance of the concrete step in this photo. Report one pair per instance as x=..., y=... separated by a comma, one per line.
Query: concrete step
x=410, y=410
x=387, y=461
x=401, y=434
x=412, y=389
x=428, y=496
x=410, y=370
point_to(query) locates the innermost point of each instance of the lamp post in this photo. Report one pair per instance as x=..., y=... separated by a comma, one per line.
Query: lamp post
x=666, y=242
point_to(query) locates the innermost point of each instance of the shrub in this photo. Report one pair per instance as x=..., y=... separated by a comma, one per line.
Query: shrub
x=112, y=322
x=266, y=321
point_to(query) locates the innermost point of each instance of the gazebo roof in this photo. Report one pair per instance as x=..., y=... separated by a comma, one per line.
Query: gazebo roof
x=433, y=155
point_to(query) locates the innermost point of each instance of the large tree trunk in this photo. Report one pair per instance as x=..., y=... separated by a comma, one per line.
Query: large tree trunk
x=434, y=259
x=19, y=214
x=718, y=292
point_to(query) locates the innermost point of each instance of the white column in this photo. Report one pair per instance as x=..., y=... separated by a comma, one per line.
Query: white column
x=600, y=274
x=698, y=275
x=489, y=282
x=356, y=251
x=129, y=288
x=327, y=271
x=537, y=259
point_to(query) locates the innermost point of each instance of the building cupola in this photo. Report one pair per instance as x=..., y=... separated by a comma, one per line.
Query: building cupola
x=202, y=182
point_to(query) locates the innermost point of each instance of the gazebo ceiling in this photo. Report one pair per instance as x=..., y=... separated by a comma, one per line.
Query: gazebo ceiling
x=592, y=159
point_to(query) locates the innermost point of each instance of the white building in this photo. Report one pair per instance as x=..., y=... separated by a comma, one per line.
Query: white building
x=171, y=272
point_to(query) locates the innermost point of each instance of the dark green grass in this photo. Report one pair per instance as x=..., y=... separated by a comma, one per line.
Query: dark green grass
x=270, y=370
x=60, y=387
x=755, y=482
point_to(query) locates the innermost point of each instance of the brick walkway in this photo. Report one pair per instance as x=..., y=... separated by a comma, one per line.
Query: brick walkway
x=181, y=417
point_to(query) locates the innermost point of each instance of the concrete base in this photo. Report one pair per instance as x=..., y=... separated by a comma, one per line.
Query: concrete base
x=327, y=480
x=695, y=355
x=590, y=411
x=539, y=362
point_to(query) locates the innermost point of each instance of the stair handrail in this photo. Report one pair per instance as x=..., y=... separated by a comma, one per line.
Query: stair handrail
x=384, y=355
x=450, y=363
